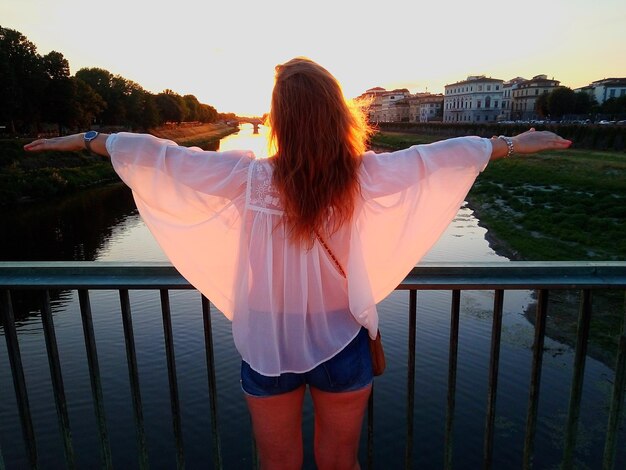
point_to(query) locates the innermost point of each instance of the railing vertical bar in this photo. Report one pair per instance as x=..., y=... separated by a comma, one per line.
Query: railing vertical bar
x=452, y=367
x=494, y=361
x=94, y=376
x=535, y=378
x=255, y=450
x=133, y=376
x=370, y=430
x=584, y=321
x=210, y=363
x=410, y=408
x=171, y=372
x=57, y=379
x=19, y=382
x=617, y=398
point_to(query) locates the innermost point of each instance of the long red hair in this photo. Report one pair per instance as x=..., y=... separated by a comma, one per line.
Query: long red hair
x=319, y=138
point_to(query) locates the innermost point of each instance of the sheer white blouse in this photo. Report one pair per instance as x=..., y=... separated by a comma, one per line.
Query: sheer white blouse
x=219, y=219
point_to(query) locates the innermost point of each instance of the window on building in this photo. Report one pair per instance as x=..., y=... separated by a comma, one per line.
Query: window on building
x=487, y=102
x=488, y=87
x=536, y=92
x=497, y=87
x=622, y=92
x=480, y=88
x=478, y=104
x=495, y=104
x=612, y=93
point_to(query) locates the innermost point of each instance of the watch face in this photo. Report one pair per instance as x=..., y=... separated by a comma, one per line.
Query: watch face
x=90, y=135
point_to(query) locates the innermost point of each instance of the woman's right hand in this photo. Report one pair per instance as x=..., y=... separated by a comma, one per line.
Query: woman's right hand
x=67, y=143
x=70, y=143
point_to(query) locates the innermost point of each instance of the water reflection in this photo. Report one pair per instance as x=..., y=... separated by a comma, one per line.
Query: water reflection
x=71, y=228
x=247, y=139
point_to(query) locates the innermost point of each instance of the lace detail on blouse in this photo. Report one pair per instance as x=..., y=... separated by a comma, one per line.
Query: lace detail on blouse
x=262, y=194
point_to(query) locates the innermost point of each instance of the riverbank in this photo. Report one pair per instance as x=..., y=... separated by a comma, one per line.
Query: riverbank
x=203, y=136
x=29, y=177
x=560, y=206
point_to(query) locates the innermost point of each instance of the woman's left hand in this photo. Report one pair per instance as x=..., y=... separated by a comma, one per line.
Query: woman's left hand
x=533, y=141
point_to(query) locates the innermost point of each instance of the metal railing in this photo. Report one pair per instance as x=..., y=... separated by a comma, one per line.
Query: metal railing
x=540, y=276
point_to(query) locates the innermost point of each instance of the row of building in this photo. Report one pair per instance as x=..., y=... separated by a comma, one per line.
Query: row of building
x=477, y=99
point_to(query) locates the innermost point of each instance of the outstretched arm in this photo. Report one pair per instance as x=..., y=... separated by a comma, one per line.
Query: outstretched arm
x=530, y=141
x=69, y=143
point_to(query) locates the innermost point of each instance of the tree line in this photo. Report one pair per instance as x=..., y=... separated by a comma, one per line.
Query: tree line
x=37, y=92
x=563, y=102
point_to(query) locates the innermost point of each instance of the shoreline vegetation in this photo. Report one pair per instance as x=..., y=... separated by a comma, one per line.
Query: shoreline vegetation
x=25, y=178
x=558, y=206
x=203, y=136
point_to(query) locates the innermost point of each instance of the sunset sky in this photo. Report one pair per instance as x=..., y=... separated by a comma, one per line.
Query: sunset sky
x=225, y=52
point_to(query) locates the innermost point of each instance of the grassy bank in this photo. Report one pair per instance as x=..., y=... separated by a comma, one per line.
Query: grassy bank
x=204, y=136
x=562, y=206
x=25, y=177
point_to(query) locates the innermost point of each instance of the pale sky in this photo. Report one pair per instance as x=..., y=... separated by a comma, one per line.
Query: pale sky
x=224, y=52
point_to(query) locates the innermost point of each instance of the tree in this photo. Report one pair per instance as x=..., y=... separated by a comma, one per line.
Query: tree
x=22, y=81
x=584, y=103
x=207, y=113
x=614, y=107
x=33, y=88
x=102, y=82
x=541, y=105
x=58, y=99
x=193, y=108
x=561, y=101
x=87, y=104
x=170, y=107
x=151, y=117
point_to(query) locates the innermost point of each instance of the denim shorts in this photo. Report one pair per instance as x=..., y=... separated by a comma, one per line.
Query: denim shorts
x=348, y=370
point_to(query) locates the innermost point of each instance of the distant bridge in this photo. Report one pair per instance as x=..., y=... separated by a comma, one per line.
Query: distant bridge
x=256, y=122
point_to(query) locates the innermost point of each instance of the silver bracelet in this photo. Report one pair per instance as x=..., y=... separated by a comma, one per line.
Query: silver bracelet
x=509, y=145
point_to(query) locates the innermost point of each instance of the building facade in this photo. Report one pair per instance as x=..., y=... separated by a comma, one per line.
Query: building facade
x=525, y=96
x=387, y=106
x=507, y=97
x=605, y=89
x=425, y=107
x=477, y=99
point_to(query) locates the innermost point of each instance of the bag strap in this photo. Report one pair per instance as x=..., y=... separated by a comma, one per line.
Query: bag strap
x=331, y=254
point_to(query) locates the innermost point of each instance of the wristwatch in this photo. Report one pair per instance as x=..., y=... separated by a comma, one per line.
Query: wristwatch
x=88, y=137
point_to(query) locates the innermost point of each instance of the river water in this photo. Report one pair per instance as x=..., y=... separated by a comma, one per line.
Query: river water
x=103, y=224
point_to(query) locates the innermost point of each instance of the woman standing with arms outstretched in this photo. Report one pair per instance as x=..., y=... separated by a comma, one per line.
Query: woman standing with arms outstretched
x=297, y=249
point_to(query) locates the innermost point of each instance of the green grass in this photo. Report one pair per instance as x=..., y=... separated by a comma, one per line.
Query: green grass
x=568, y=205
x=555, y=206
x=27, y=176
x=398, y=140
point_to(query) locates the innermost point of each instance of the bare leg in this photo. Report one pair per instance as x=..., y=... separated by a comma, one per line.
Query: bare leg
x=338, y=421
x=277, y=424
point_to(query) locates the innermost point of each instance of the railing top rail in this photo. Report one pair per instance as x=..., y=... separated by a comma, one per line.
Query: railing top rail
x=425, y=276
x=517, y=275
